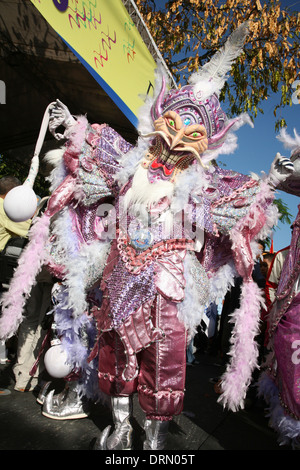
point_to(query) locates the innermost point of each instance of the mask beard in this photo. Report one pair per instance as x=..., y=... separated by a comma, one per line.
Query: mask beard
x=146, y=194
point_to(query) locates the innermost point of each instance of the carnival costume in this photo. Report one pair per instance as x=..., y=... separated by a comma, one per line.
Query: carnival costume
x=279, y=384
x=161, y=232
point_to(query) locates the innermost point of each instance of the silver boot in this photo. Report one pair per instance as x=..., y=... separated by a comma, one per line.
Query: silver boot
x=57, y=399
x=43, y=393
x=156, y=434
x=121, y=438
x=68, y=406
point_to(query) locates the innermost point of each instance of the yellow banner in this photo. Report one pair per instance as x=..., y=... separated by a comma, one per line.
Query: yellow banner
x=104, y=38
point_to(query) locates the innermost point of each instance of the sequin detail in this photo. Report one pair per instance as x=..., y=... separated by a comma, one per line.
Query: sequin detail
x=99, y=162
x=229, y=209
x=127, y=292
x=201, y=282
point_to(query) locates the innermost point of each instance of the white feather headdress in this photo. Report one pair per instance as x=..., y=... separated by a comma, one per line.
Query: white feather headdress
x=211, y=77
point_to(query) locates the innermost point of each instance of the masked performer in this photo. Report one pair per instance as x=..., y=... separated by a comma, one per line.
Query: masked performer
x=177, y=233
x=280, y=383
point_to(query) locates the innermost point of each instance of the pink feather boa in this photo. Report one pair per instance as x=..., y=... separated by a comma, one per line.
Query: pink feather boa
x=30, y=264
x=244, y=350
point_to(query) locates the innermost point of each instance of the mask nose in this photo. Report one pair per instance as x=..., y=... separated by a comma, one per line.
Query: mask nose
x=177, y=138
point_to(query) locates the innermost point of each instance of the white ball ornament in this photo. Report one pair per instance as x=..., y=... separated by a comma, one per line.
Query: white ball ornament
x=56, y=364
x=20, y=203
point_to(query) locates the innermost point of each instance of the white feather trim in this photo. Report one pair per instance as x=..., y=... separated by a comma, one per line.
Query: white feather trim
x=221, y=281
x=54, y=157
x=131, y=160
x=191, y=310
x=144, y=193
x=82, y=271
x=82, y=262
x=190, y=182
x=288, y=141
x=58, y=174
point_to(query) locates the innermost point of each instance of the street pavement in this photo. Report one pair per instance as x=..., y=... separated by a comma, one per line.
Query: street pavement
x=203, y=425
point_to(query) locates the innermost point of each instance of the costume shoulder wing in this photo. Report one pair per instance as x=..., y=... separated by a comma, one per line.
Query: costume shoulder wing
x=236, y=196
x=97, y=162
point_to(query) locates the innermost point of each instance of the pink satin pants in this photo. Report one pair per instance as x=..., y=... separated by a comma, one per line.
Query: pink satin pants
x=160, y=380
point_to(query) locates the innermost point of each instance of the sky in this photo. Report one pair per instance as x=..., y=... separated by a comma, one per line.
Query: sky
x=257, y=147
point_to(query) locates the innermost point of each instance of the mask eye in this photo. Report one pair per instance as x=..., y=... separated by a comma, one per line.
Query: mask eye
x=195, y=132
x=172, y=120
x=196, y=135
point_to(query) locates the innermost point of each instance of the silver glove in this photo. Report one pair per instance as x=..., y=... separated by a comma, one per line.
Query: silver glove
x=281, y=169
x=60, y=116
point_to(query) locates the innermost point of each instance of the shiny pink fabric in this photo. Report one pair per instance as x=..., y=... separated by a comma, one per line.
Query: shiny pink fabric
x=62, y=196
x=287, y=350
x=71, y=161
x=169, y=278
x=160, y=377
x=242, y=251
x=112, y=362
x=137, y=333
x=163, y=366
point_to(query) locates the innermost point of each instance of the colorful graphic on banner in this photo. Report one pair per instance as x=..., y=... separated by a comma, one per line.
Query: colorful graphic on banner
x=104, y=38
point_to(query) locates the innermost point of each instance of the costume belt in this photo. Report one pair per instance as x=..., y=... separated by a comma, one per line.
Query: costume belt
x=136, y=260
